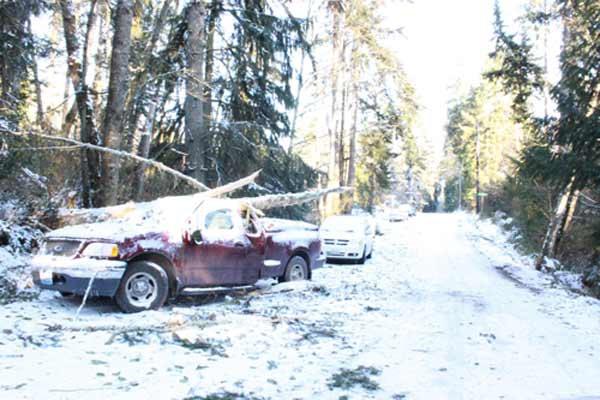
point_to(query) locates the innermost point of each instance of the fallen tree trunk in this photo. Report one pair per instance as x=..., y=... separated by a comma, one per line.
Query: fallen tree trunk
x=291, y=199
x=77, y=216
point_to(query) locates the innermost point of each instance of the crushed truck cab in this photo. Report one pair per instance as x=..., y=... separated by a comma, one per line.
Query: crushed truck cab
x=223, y=244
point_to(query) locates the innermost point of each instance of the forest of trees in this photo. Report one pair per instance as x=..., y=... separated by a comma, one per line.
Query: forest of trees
x=210, y=89
x=540, y=165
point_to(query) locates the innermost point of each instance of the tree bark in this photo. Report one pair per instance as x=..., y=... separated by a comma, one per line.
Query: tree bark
x=194, y=87
x=117, y=91
x=333, y=126
x=65, y=105
x=333, y=201
x=215, y=9
x=37, y=84
x=567, y=218
x=144, y=151
x=100, y=58
x=352, y=151
x=342, y=145
x=555, y=226
x=90, y=163
x=138, y=84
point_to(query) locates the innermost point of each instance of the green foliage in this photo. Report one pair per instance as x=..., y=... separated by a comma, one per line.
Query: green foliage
x=250, y=94
x=17, y=47
x=483, y=121
x=517, y=71
x=373, y=172
x=577, y=95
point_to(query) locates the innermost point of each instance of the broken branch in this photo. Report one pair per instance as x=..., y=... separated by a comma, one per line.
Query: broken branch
x=118, y=153
x=291, y=199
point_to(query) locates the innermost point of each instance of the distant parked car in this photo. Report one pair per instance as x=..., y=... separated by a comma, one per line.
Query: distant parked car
x=413, y=211
x=400, y=213
x=348, y=237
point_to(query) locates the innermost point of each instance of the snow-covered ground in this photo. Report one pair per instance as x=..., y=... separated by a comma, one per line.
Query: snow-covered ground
x=439, y=312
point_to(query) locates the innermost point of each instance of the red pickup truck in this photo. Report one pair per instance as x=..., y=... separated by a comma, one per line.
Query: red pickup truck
x=224, y=244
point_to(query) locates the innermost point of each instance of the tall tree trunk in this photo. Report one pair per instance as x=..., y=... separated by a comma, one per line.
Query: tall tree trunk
x=194, y=87
x=38, y=86
x=342, y=137
x=333, y=201
x=333, y=126
x=90, y=163
x=144, y=151
x=215, y=9
x=555, y=226
x=567, y=218
x=138, y=84
x=352, y=151
x=65, y=105
x=100, y=58
x=117, y=91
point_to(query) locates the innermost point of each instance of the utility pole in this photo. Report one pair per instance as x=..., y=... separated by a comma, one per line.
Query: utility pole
x=477, y=151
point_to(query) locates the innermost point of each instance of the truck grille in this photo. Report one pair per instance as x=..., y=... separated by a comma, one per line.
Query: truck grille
x=338, y=242
x=65, y=248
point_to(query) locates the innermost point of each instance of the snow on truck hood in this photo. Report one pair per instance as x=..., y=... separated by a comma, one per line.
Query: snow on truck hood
x=114, y=231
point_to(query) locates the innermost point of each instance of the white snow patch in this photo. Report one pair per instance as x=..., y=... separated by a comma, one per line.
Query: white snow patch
x=428, y=311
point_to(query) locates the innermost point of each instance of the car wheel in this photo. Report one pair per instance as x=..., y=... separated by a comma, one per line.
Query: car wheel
x=296, y=270
x=144, y=286
x=363, y=258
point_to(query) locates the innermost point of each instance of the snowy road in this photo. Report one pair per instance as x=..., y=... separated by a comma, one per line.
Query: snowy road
x=428, y=317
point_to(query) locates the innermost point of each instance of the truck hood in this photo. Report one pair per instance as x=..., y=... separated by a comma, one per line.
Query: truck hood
x=113, y=231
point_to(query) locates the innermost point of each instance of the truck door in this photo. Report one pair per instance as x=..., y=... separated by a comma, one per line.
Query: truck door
x=251, y=270
x=216, y=259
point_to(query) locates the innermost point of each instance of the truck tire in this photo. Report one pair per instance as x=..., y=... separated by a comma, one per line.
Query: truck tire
x=145, y=286
x=362, y=259
x=296, y=270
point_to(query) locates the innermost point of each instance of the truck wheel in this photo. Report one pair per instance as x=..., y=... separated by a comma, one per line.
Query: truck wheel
x=144, y=286
x=296, y=270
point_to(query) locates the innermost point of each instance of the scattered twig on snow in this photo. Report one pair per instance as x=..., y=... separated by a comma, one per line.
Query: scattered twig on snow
x=87, y=293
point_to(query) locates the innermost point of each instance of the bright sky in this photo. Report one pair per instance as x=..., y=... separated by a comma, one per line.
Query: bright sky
x=444, y=51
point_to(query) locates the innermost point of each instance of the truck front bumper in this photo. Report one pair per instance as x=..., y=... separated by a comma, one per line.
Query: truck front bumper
x=73, y=275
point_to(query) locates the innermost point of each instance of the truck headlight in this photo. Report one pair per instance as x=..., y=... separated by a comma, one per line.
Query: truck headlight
x=104, y=250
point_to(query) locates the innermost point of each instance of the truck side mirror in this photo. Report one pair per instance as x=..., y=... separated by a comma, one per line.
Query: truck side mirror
x=196, y=237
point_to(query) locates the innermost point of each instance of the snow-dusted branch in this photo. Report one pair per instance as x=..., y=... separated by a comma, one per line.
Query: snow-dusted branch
x=118, y=153
x=291, y=199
